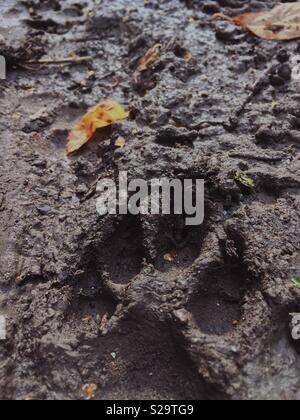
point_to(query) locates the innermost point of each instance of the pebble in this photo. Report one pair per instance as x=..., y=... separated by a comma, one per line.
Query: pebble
x=276, y=80
x=210, y=7
x=43, y=209
x=283, y=56
x=40, y=163
x=285, y=72
x=226, y=31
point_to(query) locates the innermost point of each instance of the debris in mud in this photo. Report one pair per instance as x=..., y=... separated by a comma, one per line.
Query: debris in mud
x=58, y=61
x=89, y=391
x=102, y=115
x=281, y=23
x=151, y=56
x=183, y=53
x=170, y=257
x=244, y=180
x=120, y=142
x=87, y=318
x=296, y=282
x=104, y=322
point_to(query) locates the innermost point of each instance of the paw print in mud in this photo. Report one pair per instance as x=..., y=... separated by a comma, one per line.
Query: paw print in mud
x=295, y=326
x=295, y=61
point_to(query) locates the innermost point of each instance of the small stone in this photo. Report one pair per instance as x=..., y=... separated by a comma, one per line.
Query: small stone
x=276, y=80
x=210, y=7
x=43, y=209
x=283, y=56
x=182, y=315
x=40, y=163
x=226, y=31
x=285, y=72
x=82, y=189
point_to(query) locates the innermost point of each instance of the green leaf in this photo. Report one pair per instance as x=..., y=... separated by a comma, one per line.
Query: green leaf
x=296, y=282
x=244, y=180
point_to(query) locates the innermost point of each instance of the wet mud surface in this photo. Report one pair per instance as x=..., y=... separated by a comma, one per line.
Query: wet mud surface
x=91, y=300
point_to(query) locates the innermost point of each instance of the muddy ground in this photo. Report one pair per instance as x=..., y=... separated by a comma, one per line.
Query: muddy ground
x=91, y=300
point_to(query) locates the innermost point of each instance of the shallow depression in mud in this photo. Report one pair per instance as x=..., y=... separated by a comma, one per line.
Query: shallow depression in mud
x=216, y=306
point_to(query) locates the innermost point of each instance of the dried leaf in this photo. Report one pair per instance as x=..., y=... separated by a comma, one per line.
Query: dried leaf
x=88, y=318
x=104, y=322
x=120, y=142
x=152, y=55
x=89, y=390
x=296, y=282
x=187, y=56
x=281, y=23
x=170, y=257
x=244, y=180
x=102, y=115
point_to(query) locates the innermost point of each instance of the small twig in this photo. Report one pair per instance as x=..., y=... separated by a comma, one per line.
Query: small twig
x=220, y=16
x=2, y=201
x=265, y=158
x=71, y=60
x=24, y=67
x=168, y=46
x=106, y=75
x=200, y=125
x=256, y=89
x=91, y=192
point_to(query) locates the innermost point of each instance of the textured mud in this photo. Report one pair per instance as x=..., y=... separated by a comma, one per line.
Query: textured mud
x=92, y=300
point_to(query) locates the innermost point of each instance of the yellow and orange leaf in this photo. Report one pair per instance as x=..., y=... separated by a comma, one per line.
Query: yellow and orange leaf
x=282, y=23
x=89, y=391
x=102, y=115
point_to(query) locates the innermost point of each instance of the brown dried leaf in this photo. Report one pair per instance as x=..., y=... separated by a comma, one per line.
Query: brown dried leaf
x=152, y=55
x=170, y=257
x=281, y=23
x=104, y=322
x=187, y=56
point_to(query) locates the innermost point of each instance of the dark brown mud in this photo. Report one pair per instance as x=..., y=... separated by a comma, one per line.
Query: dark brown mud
x=91, y=300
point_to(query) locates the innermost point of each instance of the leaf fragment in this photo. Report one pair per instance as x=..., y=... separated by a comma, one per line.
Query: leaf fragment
x=120, y=142
x=244, y=180
x=282, y=23
x=296, y=281
x=151, y=56
x=187, y=56
x=170, y=257
x=102, y=115
x=104, y=321
x=89, y=390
